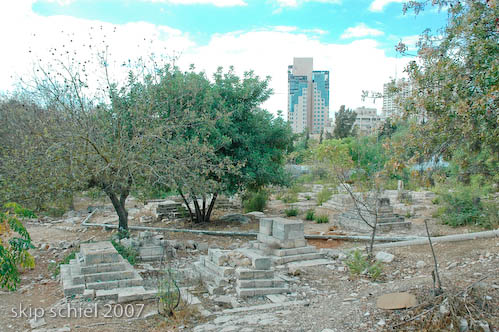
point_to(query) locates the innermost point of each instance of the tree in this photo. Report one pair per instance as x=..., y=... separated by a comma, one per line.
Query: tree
x=344, y=120
x=455, y=88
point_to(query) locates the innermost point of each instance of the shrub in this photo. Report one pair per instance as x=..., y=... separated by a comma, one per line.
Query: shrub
x=13, y=249
x=168, y=294
x=321, y=219
x=463, y=205
x=323, y=196
x=359, y=264
x=255, y=201
x=308, y=197
x=310, y=215
x=128, y=253
x=291, y=212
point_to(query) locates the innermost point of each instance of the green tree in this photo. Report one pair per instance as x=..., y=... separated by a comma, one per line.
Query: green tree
x=455, y=88
x=343, y=123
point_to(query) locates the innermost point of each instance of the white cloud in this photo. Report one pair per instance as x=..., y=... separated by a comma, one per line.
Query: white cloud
x=356, y=66
x=296, y=3
x=378, y=5
x=410, y=42
x=360, y=30
x=218, y=3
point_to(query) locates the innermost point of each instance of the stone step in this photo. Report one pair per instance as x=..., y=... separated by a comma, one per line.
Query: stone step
x=135, y=294
x=248, y=292
x=248, y=274
x=208, y=275
x=295, y=258
x=108, y=276
x=294, y=251
x=221, y=271
x=258, y=261
x=260, y=283
x=103, y=285
x=108, y=267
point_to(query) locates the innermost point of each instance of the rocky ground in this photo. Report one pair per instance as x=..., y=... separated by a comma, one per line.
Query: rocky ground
x=323, y=298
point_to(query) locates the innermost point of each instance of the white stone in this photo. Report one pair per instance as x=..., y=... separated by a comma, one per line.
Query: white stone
x=35, y=323
x=384, y=257
x=420, y=264
x=381, y=322
x=463, y=325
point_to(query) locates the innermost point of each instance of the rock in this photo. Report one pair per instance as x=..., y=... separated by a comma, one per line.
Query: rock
x=463, y=325
x=484, y=326
x=451, y=266
x=444, y=309
x=201, y=246
x=145, y=219
x=35, y=323
x=328, y=330
x=420, y=264
x=226, y=301
x=384, y=257
x=235, y=217
x=295, y=271
x=65, y=245
x=381, y=322
x=396, y=301
x=190, y=244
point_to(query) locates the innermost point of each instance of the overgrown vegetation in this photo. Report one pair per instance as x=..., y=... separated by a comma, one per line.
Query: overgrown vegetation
x=255, y=201
x=55, y=268
x=128, y=253
x=324, y=195
x=359, y=264
x=291, y=212
x=310, y=215
x=321, y=219
x=168, y=294
x=15, y=243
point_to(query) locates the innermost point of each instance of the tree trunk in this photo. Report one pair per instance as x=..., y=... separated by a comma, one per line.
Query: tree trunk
x=203, y=214
x=198, y=210
x=187, y=204
x=373, y=235
x=119, y=206
x=210, y=208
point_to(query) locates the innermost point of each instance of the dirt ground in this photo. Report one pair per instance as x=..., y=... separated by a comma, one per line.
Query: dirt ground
x=335, y=300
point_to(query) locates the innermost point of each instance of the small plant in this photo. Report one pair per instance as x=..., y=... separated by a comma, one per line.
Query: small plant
x=308, y=197
x=56, y=267
x=290, y=198
x=324, y=195
x=321, y=219
x=310, y=215
x=19, y=210
x=168, y=294
x=255, y=201
x=359, y=264
x=128, y=253
x=291, y=212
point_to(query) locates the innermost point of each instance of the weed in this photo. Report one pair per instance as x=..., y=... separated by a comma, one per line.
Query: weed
x=290, y=198
x=359, y=264
x=255, y=201
x=310, y=215
x=56, y=267
x=324, y=195
x=168, y=294
x=291, y=212
x=321, y=219
x=128, y=253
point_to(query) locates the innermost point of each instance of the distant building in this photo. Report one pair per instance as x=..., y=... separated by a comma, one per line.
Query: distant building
x=391, y=100
x=308, y=97
x=367, y=121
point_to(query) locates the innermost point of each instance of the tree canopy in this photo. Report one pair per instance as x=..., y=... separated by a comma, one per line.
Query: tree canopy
x=343, y=123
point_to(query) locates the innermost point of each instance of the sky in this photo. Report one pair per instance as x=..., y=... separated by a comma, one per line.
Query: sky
x=353, y=39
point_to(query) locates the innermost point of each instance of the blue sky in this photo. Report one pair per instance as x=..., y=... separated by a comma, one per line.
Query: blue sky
x=354, y=39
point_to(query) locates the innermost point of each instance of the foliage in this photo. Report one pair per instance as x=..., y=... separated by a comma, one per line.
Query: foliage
x=321, y=219
x=359, y=264
x=168, y=294
x=128, y=253
x=255, y=201
x=465, y=205
x=309, y=215
x=290, y=197
x=291, y=212
x=324, y=195
x=343, y=123
x=56, y=267
x=13, y=248
x=19, y=210
x=454, y=93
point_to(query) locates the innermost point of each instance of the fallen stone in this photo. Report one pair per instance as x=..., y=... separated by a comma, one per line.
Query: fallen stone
x=393, y=301
x=463, y=325
x=235, y=217
x=201, y=246
x=35, y=323
x=225, y=301
x=420, y=264
x=384, y=257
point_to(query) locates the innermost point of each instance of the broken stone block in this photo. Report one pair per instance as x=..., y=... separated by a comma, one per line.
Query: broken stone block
x=384, y=257
x=37, y=322
x=266, y=226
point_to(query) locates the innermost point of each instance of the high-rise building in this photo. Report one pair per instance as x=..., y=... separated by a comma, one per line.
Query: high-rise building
x=367, y=120
x=391, y=100
x=308, y=96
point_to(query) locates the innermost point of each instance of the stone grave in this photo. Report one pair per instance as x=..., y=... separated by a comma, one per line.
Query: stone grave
x=387, y=220
x=151, y=246
x=171, y=210
x=99, y=271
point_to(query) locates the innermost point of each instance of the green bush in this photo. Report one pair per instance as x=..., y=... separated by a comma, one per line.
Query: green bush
x=324, y=195
x=310, y=215
x=321, y=219
x=255, y=201
x=128, y=253
x=291, y=212
x=290, y=198
x=359, y=264
x=463, y=205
